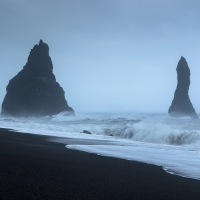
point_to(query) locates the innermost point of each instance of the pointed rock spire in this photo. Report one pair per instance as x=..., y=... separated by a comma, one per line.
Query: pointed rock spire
x=181, y=104
x=44, y=46
x=34, y=90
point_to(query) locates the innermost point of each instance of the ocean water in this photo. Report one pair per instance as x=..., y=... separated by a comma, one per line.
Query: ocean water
x=172, y=143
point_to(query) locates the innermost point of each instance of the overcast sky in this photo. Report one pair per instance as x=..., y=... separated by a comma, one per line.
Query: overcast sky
x=108, y=55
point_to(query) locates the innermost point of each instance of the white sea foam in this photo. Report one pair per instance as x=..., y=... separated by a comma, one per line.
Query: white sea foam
x=173, y=159
x=157, y=139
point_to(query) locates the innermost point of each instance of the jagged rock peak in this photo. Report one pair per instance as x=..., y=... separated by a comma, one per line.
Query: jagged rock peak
x=181, y=104
x=44, y=46
x=34, y=90
x=39, y=62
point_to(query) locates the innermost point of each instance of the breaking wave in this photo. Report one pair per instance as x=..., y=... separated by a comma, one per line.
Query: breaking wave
x=150, y=128
x=157, y=133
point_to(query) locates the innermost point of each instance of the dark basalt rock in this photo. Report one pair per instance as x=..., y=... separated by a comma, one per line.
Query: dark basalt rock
x=34, y=90
x=86, y=132
x=181, y=104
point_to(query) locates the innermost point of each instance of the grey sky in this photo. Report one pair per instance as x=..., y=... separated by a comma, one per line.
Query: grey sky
x=108, y=55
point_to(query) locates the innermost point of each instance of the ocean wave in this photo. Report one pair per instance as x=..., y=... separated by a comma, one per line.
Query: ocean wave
x=155, y=128
x=156, y=133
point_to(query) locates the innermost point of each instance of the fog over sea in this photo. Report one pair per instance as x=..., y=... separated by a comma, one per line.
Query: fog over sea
x=172, y=143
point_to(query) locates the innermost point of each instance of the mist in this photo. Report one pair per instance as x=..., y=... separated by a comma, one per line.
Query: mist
x=109, y=56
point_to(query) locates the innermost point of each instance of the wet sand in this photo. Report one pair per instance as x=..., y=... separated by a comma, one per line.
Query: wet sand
x=32, y=167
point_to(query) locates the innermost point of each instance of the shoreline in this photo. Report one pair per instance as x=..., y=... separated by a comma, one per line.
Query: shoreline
x=32, y=166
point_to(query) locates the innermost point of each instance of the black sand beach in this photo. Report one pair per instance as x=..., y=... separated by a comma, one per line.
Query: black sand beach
x=34, y=168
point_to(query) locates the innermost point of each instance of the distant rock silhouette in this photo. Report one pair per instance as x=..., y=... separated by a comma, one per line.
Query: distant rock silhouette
x=181, y=104
x=34, y=90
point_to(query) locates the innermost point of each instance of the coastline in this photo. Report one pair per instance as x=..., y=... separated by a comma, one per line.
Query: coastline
x=34, y=167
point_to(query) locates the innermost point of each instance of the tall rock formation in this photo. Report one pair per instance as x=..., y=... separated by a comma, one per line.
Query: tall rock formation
x=181, y=104
x=34, y=90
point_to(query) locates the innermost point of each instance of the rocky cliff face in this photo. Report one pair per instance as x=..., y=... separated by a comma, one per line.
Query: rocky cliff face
x=181, y=104
x=34, y=90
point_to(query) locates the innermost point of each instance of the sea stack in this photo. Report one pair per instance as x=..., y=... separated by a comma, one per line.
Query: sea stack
x=34, y=90
x=181, y=105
